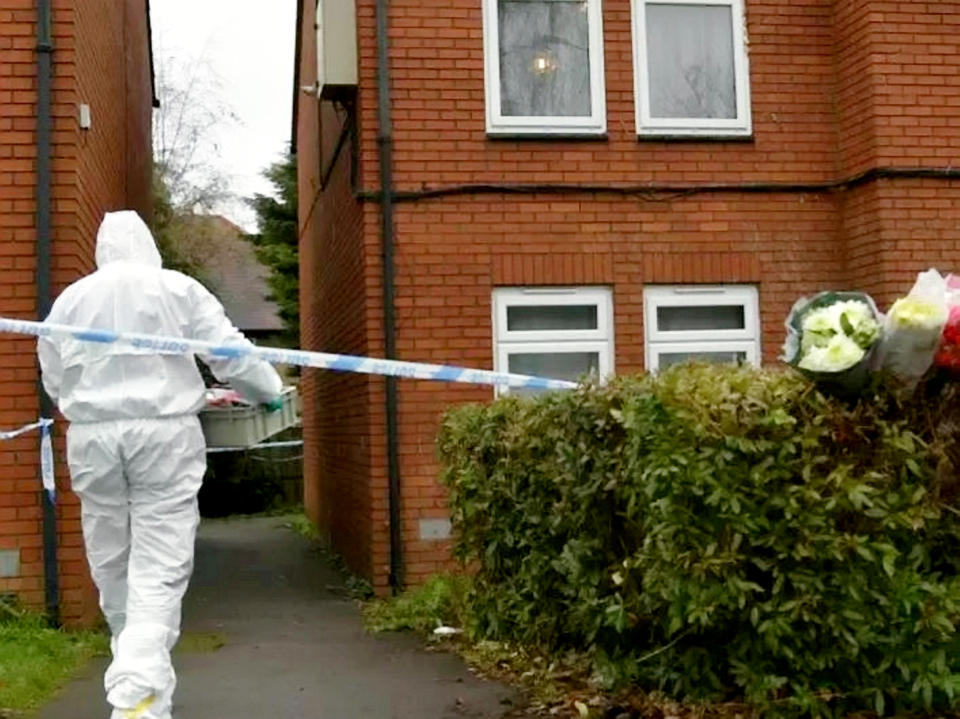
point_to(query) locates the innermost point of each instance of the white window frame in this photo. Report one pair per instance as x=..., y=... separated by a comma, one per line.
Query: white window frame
x=500, y=124
x=658, y=342
x=750, y=350
x=741, y=126
x=599, y=340
x=553, y=297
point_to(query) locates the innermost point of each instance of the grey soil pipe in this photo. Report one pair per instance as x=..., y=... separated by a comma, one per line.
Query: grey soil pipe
x=385, y=146
x=44, y=152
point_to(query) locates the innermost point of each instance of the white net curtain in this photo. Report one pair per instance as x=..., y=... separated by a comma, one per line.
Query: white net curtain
x=690, y=61
x=544, y=58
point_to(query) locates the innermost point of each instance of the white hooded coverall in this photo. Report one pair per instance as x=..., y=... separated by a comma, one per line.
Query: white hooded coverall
x=135, y=449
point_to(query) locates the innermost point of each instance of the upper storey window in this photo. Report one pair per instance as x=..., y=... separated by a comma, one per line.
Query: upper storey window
x=544, y=67
x=690, y=66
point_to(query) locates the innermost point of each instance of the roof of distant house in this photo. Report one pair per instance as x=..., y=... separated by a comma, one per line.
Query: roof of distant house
x=237, y=277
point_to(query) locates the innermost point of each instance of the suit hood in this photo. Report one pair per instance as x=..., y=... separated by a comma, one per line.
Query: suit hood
x=125, y=237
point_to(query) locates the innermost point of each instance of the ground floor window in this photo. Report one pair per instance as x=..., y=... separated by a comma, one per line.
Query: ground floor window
x=699, y=322
x=556, y=332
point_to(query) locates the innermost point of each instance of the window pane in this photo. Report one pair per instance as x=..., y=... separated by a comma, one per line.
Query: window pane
x=708, y=317
x=544, y=58
x=690, y=61
x=668, y=359
x=553, y=317
x=555, y=365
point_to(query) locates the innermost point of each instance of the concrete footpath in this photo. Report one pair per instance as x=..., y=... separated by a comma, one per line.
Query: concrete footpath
x=293, y=645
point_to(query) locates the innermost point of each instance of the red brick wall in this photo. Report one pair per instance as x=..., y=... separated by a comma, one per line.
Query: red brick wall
x=916, y=95
x=837, y=87
x=105, y=168
x=343, y=490
x=113, y=77
x=900, y=228
x=308, y=184
x=20, y=509
x=899, y=104
x=138, y=109
x=856, y=87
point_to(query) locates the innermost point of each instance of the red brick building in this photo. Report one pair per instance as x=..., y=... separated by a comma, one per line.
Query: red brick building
x=67, y=155
x=576, y=184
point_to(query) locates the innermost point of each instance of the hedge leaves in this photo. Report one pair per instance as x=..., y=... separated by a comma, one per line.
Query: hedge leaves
x=720, y=533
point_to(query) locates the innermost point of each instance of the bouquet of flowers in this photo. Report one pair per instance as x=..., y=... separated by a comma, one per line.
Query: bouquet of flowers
x=831, y=337
x=948, y=354
x=837, y=337
x=913, y=328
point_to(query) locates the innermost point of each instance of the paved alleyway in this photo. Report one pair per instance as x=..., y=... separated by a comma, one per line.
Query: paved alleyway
x=295, y=647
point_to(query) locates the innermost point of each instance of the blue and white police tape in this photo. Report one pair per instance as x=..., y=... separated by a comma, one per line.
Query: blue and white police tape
x=46, y=451
x=300, y=358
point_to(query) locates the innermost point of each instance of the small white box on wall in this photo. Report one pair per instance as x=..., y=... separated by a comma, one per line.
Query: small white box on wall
x=435, y=529
x=9, y=562
x=336, y=47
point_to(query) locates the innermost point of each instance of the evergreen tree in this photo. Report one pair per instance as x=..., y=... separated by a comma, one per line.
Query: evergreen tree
x=277, y=241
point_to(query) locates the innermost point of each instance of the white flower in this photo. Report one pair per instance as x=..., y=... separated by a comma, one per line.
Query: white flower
x=821, y=321
x=840, y=354
x=851, y=318
x=818, y=327
x=917, y=313
x=857, y=321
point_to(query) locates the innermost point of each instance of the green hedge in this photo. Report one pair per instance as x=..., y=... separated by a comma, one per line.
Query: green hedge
x=720, y=533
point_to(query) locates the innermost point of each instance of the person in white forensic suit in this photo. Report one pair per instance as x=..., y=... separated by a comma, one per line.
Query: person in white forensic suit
x=135, y=448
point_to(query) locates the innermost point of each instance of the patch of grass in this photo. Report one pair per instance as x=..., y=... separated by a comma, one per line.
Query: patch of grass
x=301, y=524
x=36, y=660
x=355, y=587
x=439, y=602
x=200, y=642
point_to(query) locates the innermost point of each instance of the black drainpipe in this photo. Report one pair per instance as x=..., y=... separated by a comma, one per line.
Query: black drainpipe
x=385, y=145
x=44, y=72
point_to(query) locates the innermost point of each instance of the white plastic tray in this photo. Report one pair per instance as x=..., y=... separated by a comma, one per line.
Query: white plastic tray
x=250, y=425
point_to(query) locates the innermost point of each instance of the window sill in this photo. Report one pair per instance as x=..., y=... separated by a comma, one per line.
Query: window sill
x=548, y=135
x=691, y=137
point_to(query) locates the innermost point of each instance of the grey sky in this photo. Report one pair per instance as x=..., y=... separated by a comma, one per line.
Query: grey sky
x=250, y=45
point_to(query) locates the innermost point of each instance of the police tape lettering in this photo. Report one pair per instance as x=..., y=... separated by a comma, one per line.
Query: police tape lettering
x=159, y=345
